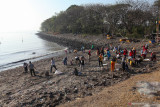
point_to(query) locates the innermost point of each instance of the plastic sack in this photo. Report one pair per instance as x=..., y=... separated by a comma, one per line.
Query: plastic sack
x=58, y=72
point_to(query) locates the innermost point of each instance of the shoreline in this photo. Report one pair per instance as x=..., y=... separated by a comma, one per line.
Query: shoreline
x=19, y=63
x=66, y=42
x=35, y=57
x=21, y=89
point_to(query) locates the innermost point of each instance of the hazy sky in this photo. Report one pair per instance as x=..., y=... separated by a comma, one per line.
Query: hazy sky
x=18, y=15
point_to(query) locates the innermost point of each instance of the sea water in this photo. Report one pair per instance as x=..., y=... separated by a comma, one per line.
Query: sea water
x=19, y=47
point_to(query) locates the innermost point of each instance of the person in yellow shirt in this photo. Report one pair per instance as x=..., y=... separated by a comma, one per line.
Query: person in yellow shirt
x=100, y=60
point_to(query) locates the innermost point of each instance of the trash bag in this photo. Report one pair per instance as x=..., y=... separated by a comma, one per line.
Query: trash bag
x=58, y=72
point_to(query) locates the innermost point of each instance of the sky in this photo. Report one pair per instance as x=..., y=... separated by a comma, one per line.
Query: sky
x=25, y=15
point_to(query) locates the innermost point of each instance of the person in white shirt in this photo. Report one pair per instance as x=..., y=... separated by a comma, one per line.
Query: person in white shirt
x=52, y=65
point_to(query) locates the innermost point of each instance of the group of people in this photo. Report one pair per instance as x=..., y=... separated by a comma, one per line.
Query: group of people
x=128, y=57
x=31, y=68
x=123, y=56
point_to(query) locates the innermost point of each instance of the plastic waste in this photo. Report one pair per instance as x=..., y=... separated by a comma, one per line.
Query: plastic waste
x=58, y=72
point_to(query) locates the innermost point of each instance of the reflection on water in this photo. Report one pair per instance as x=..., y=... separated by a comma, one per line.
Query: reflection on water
x=19, y=46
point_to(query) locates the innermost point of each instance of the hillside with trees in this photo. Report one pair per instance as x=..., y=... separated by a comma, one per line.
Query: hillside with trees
x=128, y=18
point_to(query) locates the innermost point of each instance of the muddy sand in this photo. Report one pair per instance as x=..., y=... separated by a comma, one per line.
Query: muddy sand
x=21, y=89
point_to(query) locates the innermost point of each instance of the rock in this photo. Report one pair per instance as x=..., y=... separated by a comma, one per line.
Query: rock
x=67, y=98
x=33, y=52
x=39, y=105
x=95, y=79
x=88, y=86
x=47, y=74
x=85, y=83
x=51, y=95
x=115, y=76
x=58, y=99
x=89, y=94
x=8, y=93
x=66, y=91
x=61, y=94
x=75, y=90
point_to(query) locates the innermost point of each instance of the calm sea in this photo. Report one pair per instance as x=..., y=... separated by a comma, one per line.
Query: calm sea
x=19, y=47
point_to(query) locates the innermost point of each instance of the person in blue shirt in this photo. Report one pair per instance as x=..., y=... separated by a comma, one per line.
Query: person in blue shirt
x=108, y=54
x=65, y=61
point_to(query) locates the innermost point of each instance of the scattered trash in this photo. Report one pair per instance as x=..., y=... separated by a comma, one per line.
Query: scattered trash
x=105, y=64
x=146, y=59
x=105, y=58
x=58, y=72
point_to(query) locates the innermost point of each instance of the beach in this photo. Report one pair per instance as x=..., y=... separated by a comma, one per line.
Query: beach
x=21, y=89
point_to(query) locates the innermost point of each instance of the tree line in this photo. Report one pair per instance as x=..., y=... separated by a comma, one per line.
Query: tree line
x=132, y=18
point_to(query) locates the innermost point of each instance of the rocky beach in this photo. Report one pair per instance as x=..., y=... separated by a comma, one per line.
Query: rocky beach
x=21, y=89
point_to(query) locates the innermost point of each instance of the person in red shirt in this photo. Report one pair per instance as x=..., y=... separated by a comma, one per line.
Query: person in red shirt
x=125, y=52
x=89, y=54
x=131, y=53
x=144, y=48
